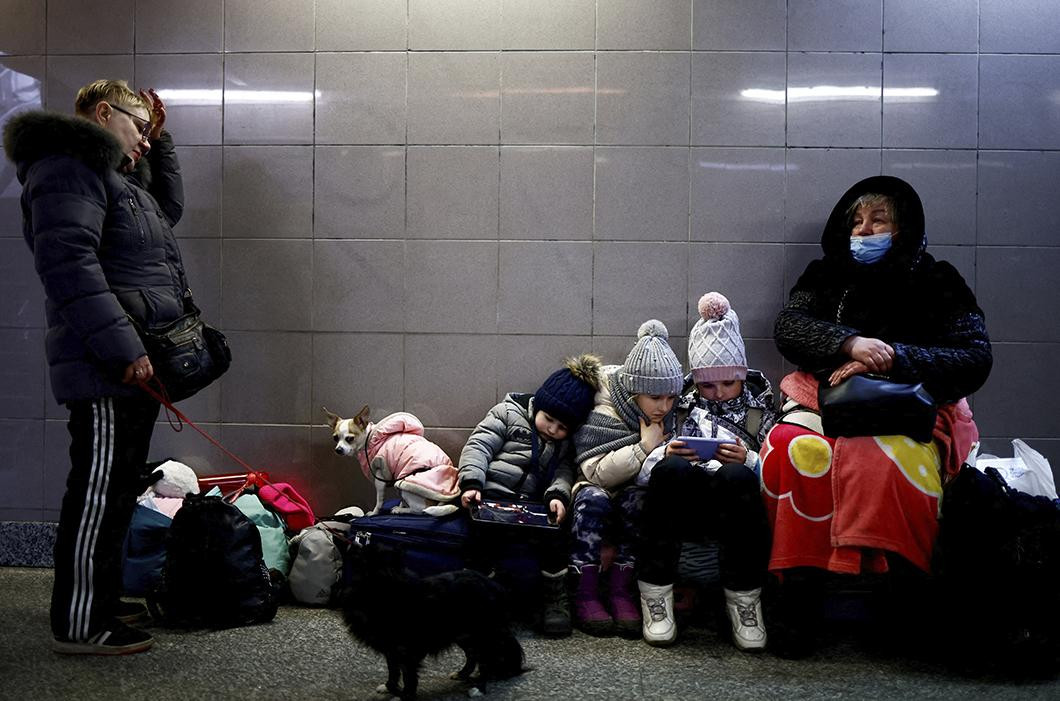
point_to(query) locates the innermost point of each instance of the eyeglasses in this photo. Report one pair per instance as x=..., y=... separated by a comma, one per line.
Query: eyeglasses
x=145, y=130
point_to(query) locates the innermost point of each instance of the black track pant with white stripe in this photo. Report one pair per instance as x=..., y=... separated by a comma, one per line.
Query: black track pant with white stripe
x=109, y=441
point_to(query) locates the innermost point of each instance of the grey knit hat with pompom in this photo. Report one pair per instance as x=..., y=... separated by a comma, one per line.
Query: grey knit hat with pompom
x=651, y=367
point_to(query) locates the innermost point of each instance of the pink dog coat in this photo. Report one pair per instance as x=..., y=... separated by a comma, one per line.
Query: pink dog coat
x=417, y=464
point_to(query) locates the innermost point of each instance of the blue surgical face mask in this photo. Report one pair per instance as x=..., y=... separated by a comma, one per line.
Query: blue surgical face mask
x=869, y=249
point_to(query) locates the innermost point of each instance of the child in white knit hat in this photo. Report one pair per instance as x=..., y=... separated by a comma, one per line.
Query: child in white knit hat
x=729, y=401
x=690, y=499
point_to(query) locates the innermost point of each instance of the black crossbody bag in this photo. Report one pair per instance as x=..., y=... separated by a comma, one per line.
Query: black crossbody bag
x=186, y=354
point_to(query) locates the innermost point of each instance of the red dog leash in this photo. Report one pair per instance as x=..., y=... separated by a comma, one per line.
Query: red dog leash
x=254, y=477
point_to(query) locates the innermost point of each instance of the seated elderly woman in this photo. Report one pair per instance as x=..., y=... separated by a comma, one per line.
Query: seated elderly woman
x=876, y=303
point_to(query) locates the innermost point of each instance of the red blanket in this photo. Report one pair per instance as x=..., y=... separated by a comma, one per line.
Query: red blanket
x=840, y=504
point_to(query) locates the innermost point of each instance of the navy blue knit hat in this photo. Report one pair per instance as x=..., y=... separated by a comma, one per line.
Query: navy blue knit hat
x=568, y=395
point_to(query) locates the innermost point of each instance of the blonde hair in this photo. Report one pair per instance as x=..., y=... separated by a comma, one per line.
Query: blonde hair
x=112, y=91
x=873, y=199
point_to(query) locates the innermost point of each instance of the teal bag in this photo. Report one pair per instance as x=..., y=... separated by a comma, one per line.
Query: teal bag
x=274, y=547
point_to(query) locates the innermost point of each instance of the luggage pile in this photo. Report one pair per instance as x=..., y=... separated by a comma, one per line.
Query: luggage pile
x=212, y=560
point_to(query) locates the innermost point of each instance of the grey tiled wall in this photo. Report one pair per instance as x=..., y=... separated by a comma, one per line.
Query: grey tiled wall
x=423, y=204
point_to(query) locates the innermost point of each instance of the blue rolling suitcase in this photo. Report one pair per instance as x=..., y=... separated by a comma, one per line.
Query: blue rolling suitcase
x=431, y=545
x=428, y=544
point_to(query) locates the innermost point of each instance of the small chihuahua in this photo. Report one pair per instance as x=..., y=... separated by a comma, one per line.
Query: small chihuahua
x=394, y=451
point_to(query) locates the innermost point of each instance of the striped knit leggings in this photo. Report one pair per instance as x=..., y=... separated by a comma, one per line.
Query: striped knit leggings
x=109, y=440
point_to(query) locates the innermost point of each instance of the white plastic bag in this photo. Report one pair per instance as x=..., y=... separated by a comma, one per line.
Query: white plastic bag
x=1028, y=471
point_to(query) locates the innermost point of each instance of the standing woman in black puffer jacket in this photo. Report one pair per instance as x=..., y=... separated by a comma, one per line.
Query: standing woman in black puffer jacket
x=876, y=303
x=101, y=193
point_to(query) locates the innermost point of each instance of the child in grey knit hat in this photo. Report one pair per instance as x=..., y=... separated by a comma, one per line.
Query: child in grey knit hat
x=632, y=416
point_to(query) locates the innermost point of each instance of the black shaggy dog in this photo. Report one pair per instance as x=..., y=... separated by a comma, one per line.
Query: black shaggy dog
x=407, y=618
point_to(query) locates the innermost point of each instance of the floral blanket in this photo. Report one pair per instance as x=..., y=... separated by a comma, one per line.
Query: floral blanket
x=841, y=504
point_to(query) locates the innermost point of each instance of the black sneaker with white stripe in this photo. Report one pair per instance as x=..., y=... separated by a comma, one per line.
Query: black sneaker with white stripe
x=115, y=639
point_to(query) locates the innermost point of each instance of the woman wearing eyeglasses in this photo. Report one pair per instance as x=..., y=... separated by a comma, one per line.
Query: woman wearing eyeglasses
x=101, y=193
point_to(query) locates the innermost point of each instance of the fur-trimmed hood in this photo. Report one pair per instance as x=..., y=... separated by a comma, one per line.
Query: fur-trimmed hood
x=36, y=135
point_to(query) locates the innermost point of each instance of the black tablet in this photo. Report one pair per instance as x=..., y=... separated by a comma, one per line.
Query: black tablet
x=513, y=514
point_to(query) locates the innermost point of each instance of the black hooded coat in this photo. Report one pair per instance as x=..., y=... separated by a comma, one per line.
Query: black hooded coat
x=920, y=306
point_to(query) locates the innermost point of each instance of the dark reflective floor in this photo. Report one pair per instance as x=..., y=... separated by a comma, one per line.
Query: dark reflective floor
x=306, y=654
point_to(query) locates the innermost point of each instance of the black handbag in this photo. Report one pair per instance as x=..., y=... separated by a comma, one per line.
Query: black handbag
x=187, y=354
x=874, y=406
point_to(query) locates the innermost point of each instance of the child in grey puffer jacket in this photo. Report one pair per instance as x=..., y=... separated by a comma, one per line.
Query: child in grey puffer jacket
x=522, y=451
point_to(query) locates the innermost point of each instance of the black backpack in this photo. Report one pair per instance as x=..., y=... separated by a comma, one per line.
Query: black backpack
x=214, y=574
x=998, y=559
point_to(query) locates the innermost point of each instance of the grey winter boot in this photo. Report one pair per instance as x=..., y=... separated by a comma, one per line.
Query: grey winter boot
x=555, y=614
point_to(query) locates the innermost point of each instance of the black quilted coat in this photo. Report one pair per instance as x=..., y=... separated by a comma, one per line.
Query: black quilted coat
x=102, y=244
x=920, y=306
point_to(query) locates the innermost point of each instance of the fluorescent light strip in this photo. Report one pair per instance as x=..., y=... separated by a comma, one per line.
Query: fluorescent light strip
x=196, y=97
x=821, y=93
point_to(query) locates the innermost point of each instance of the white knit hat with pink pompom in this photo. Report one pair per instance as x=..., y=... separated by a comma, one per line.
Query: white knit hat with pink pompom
x=715, y=348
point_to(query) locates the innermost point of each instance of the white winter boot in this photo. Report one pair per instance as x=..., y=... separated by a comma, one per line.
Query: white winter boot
x=745, y=614
x=657, y=612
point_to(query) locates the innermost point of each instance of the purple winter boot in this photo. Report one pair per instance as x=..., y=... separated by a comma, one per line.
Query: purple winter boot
x=589, y=613
x=624, y=602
